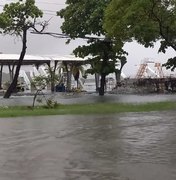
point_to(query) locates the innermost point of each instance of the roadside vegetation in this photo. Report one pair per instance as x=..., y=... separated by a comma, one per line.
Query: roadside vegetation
x=87, y=109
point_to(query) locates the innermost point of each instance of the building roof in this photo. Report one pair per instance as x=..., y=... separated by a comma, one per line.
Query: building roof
x=12, y=59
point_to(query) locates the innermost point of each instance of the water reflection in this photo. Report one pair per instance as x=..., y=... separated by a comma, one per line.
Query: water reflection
x=130, y=146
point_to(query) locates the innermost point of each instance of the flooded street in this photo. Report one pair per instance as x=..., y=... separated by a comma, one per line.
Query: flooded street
x=130, y=146
x=69, y=98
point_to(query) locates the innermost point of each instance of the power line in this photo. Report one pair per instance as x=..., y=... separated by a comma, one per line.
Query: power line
x=59, y=4
x=40, y=2
x=50, y=14
x=61, y=35
x=43, y=2
x=47, y=10
x=42, y=9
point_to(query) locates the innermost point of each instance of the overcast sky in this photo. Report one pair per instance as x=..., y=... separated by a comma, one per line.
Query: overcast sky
x=47, y=45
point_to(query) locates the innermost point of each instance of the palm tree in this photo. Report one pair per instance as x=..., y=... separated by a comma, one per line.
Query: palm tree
x=76, y=70
x=72, y=68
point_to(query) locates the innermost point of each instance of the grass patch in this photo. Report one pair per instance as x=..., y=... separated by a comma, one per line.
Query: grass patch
x=101, y=108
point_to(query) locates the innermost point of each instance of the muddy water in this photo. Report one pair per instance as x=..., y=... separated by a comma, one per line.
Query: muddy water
x=132, y=146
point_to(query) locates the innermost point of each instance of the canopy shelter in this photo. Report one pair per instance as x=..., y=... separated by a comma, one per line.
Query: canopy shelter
x=11, y=60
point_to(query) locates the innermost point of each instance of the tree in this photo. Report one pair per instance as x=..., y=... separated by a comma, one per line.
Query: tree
x=84, y=19
x=72, y=68
x=40, y=82
x=118, y=70
x=146, y=21
x=77, y=69
x=1, y=68
x=52, y=76
x=16, y=19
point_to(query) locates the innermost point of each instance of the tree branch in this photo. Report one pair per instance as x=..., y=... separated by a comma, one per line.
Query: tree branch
x=161, y=27
x=60, y=35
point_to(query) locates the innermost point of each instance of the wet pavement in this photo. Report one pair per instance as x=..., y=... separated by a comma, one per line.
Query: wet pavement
x=129, y=146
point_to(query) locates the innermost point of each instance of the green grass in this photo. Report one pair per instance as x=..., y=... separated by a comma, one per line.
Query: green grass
x=101, y=108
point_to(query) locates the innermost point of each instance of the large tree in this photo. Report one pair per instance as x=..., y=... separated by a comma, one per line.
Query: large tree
x=84, y=19
x=16, y=19
x=146, y=21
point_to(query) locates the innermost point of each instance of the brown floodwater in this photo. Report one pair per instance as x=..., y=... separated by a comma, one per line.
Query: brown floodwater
x=129, y=146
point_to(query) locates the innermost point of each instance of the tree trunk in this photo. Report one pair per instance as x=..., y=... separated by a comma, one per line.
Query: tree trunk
x=69, y=81
x=52, y=83
x=97, y=79
x=118, y=72
x=53, y=72
x=117, y=76
x=103, y=74
x=52, y=87
x=11, y=71
x=69, y=74
x=77, y=82
x=1, y=76
x=13, y=85
x=102, y=84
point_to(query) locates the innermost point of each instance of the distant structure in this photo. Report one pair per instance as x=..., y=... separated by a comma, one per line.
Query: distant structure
x=150, y=78
x=145, y=71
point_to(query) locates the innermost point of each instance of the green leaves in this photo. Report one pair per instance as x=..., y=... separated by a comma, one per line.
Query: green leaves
x=19, y=16
x=146, y=21
x=171, y=64
x=84, y=18
x=4, y=21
